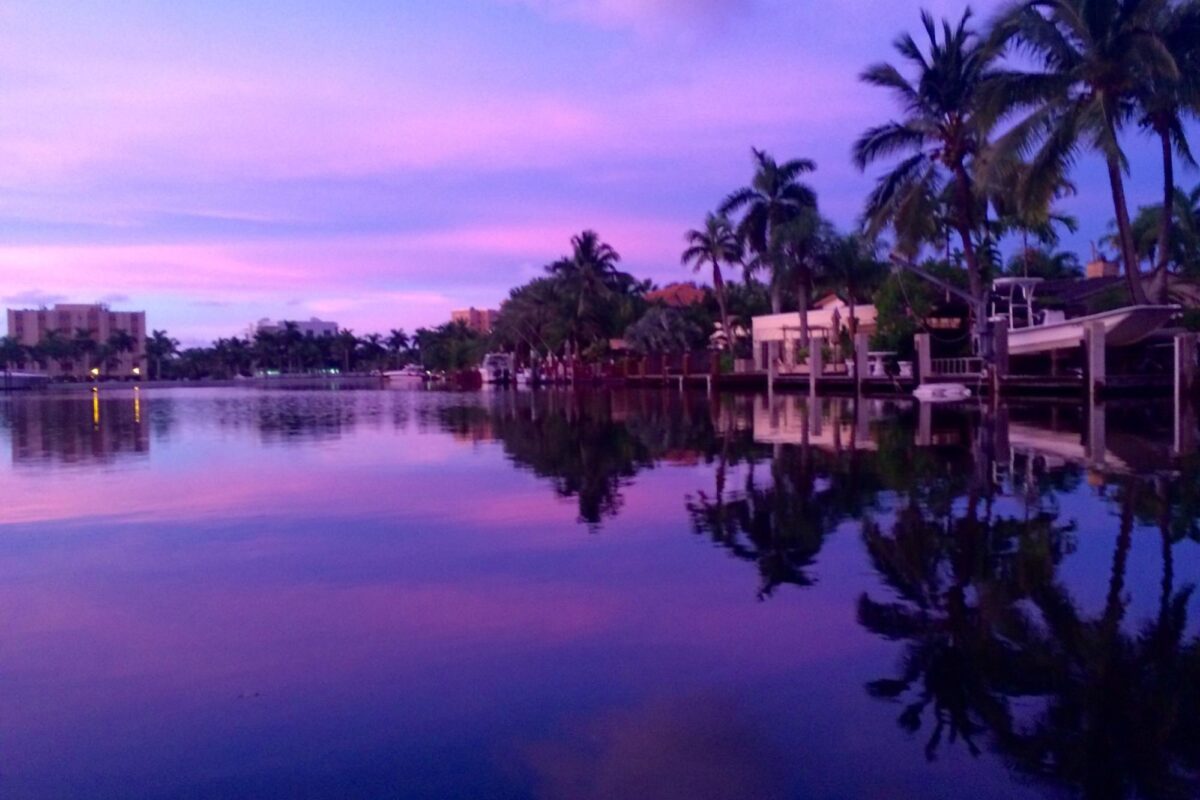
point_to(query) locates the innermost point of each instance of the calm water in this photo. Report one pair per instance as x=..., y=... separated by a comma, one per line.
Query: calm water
x=229, y=593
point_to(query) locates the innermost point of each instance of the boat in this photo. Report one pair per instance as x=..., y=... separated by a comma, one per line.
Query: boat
x=1032, y=330
x=410, y=375
x=941, y=392
x=499, y=368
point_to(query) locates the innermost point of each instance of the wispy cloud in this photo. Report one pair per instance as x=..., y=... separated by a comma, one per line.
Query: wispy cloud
x=34, y=298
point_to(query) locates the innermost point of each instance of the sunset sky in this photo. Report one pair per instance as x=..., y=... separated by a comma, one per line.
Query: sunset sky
x=379, y=163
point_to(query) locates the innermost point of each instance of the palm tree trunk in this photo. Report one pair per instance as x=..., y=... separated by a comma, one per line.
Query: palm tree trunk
x=802, y=306
x=1133, y=278
x=719, y=290
x=776, y=295
x=962, y=191
x=1167, y=218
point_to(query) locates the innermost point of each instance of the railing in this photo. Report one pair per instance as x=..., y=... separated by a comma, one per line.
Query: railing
x=972, y=365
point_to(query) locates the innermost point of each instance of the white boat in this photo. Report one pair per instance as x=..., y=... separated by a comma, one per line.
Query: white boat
x=941, y=392
x=410, y=375
x=499, y=368
x=1032, y=331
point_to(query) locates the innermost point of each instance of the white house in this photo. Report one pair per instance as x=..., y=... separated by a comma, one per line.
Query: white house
x=826, y=319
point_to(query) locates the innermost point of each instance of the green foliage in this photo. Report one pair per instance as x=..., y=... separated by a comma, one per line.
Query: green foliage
x=450, y=347
x=664, y=330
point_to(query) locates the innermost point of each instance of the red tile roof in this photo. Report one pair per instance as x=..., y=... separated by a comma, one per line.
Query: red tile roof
x=678, y=295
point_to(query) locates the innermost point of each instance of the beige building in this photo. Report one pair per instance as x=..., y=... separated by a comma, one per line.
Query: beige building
x=477, y=319
x=828, y=317
x=30, y=327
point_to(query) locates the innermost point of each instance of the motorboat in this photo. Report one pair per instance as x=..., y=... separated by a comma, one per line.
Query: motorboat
x=411, y=375
x=499, y=368
x=1032, y=330
x=941, y=392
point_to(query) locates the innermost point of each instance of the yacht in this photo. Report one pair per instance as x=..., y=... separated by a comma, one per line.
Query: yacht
x=1033, y=330
x=499, y=368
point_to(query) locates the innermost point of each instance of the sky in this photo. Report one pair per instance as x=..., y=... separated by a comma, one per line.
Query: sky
x=381, y=163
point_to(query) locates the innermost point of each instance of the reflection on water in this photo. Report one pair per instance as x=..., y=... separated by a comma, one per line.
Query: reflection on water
x=74, y=430
x=894, y=601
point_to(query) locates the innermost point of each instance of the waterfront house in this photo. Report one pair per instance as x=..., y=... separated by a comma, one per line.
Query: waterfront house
x=827, y=319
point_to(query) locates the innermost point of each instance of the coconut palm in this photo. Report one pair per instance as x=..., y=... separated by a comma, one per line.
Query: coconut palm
x=1184, y=239
x=589, y=277
x=715, y=245
x=56, y=346
x=1093, y=59
x=84, y=343
x=345, y=346
x=852, y=271
x=796, y=250
x=1165, y=101
x=397, y=344
x=11, y=352
x=941, y=133
x=159, y=348
x=775, y=196
x=120, y=343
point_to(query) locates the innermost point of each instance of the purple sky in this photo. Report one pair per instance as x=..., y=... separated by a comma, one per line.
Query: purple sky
x=380, y=163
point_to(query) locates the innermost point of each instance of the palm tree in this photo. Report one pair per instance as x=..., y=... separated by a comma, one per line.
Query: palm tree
x=159, y=347
x=397, y=344
x=373, y=350
x=345, y=343
x=775, y=196
x=11, y=352
x=120, y=342
x=796, y=248
x=85, y=345
x=291, y=340
x=1164, y=101
x=590, y=276
x=852, y=271
x=715, y=245
x=55, y=346
x=943, y=131
x=1094, y=57
x=1184, y=239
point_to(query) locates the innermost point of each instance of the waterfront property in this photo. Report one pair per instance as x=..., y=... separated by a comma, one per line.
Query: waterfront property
x=80, y=340
x=828, y=319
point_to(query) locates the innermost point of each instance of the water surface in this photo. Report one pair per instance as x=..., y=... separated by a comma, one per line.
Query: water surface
x=236, y=593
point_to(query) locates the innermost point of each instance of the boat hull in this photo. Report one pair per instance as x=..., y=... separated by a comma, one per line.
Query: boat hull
x=1122, y=327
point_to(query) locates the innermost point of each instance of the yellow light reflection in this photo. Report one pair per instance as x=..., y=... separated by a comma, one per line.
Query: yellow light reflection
x=137, y=406
x=96, y=408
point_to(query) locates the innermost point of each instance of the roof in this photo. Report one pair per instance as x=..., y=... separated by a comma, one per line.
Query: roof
x=678, y=295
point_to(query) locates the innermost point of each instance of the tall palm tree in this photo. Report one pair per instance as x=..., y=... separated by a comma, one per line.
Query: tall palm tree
x=714, y=245
x=11, y=352
x=775, y=196
x=397, y=344
x=1184, y=240
x=1165, y=101
x=796, y=250
x=119, y=343
x=1093, y=58
x=345, y=344
x=160, y=347
x=85, y=345
x=852, y=271
x=590, y=275
x=56, y=346
x=941, y=133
